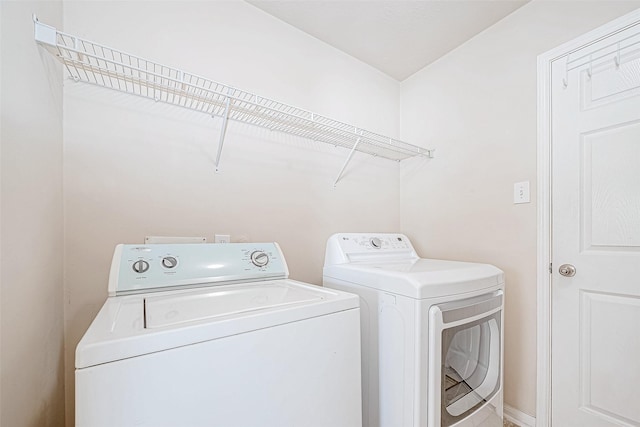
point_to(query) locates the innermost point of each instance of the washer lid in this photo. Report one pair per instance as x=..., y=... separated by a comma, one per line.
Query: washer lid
x=419, y=278
x=134, y=325
x=169, y=310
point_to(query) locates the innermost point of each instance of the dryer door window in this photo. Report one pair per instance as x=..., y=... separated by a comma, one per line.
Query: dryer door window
x=470, y=366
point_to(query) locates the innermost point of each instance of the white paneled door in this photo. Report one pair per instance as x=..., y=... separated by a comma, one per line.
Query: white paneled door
x=595, y=284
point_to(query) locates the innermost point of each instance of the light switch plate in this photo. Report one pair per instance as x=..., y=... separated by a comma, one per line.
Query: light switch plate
x=521, y=192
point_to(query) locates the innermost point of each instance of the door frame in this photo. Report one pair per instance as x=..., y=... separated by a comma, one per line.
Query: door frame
x=544, y=219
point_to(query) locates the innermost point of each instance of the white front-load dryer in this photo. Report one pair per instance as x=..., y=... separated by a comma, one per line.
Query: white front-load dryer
x=432, y=339
x=216, y=335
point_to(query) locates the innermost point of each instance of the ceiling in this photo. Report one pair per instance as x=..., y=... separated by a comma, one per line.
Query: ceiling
x=398, y=37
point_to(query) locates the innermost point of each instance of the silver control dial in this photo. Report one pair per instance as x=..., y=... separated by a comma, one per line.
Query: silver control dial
x=140, y=266
x=169, y=262
x=259, y=258
x=376, y=243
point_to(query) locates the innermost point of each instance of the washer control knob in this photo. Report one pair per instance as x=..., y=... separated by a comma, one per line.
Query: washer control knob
x=169, y=262
x=259, y=258
x=376, y=243
x=140, y=266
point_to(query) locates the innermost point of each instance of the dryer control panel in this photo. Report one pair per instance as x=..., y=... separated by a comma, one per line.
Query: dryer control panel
x=350, y=247
x=145, y=268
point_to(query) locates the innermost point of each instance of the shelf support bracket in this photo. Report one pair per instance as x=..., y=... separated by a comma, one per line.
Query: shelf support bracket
x=344, y=166
x=43, y=33
x=223, y=131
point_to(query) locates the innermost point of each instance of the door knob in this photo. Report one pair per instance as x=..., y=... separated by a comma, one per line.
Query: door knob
x=567, y=270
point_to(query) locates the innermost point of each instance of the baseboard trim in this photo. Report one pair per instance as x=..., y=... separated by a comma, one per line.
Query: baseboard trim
x=519, y=418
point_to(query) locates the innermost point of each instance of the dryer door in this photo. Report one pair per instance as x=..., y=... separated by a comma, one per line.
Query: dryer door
x=464, y=357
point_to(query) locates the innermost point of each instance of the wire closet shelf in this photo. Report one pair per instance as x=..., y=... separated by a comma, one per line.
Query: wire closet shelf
x=92, y=63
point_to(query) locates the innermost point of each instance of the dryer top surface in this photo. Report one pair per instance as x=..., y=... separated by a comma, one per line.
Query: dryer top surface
x=419, y=278
x=388, y=262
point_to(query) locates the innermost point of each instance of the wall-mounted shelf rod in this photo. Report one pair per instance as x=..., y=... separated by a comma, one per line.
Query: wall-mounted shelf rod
x=92, y=63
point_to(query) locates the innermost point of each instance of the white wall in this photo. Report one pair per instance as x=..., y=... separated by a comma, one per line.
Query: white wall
x=136, y=168
x=477, y=106
x=31, y=361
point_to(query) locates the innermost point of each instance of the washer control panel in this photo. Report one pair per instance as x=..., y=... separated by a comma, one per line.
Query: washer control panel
x=145, y=268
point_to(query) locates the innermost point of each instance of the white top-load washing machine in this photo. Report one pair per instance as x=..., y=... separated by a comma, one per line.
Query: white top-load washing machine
x=216, y=335
x=431, y=332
